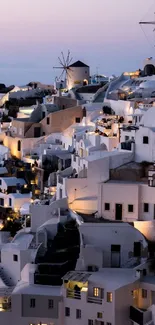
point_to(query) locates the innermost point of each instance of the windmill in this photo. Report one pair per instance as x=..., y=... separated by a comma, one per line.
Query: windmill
x=65, y=67
x=144, y=23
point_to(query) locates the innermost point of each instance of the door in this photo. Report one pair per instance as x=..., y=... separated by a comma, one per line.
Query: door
x=36, y=132
x=118, y=212
x=115, y=255
x=153, y=297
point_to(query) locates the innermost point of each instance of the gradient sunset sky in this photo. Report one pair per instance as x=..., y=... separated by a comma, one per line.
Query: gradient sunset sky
x=102, y=33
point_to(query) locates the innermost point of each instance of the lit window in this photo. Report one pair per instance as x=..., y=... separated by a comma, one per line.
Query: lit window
x=109, y=296
x=144, y=293
x=99, y=315
x=96, y=292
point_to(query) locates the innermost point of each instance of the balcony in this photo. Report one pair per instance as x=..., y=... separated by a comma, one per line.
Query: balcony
x=139, y=316
x=73, y=294
x=94, y=300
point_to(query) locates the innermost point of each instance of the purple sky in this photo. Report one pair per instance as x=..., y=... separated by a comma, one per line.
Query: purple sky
x=102, y=33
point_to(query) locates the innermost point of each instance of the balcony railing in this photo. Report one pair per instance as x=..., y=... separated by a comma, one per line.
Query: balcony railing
x=141, y=317
x=94, y=300
x=73, y=294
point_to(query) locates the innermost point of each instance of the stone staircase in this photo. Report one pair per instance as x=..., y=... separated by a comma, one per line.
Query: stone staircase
x=7, y=281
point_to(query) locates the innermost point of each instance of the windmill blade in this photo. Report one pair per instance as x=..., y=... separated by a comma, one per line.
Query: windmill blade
x=63, y=59
x=70, y=69
x=70, y=61
x=68, y=74
x=58, y=68
x=61, y=74
x=61, y=63
x=67, y=60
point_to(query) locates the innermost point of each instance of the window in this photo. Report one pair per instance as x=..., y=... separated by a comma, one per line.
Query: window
x=2, y=202
x=18, y=145
x=67, y=311
x=96, y=292
x=50, y=304
x=99, y=315
x=10, y=202
x=130, y=207
x=77, y=120
x=78, y=313
x=145, y=140
x=126, y=138
x=15, y=258
x=109, y=296
x=0, y=182
x=146, y=207
x=48, y=120
x=90, y=322
x=32, y=303
x=109, y=323
x=107, y=206
x=43, y=133
x=144, y=293
x=43, y=115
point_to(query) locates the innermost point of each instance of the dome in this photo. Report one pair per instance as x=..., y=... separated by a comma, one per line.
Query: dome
x=148, y=119
x=147, y=84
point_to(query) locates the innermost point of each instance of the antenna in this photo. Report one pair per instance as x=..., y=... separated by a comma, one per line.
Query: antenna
x=64, y=66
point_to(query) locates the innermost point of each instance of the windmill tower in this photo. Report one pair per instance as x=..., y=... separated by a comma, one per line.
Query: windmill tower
x=64, y=76
x=149, y=63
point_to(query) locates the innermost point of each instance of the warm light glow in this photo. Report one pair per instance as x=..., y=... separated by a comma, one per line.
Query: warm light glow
x=8, y=219
x=84, y=289
x=25, y=186
x=96, y=292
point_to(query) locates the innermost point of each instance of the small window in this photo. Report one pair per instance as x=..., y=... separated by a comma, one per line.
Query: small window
x=15, y=258
x=109, y=296
x=78, y=313
x=109, y=323
x=50, y=304
x=43, y=115
x=67, y=311
x=90, y=322
x=126, y=138
x=43, y=133
x=107, y=206
x=0, y=182
x=144, y=293
x=146, y=207
x=32, y=303
x=48, y=120
x=77, y=120
x=145, y=140
x=130, y=207
x=10, y=202
x=96, y=292
x=99, y=315
x=18, y=145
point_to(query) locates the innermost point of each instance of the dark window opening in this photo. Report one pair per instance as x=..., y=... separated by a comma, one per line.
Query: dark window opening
x=146, y=207
x=48, y=120
x=15, y=258
x=67, y=311
x=18, y=145
x=107, y=206
x=130, y=207
x=145, y=140
x=32, y=303
x=77, y=120
x=137, y=249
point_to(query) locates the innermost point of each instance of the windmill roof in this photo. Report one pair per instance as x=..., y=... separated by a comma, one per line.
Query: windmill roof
x=78, y=64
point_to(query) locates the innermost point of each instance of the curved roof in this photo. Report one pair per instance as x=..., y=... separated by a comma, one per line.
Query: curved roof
x=148, y=119
x=79, y=64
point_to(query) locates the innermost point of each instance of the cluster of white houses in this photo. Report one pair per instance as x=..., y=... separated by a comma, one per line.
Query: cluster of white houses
x=87, y=255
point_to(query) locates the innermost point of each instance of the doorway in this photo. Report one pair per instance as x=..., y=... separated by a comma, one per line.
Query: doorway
x=137, y=249
x=115, y=255
x=37, y=132
x=118, y=212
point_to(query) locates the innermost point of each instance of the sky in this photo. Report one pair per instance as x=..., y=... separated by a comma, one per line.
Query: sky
x=104, y=34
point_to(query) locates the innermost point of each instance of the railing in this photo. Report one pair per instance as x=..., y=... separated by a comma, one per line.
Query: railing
x=73, y=294
x=94, y=300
